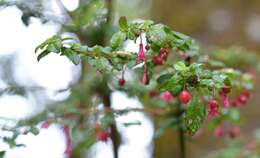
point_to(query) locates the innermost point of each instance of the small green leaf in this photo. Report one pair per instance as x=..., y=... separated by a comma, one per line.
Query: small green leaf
x=42, y=54
x=164, y=78
x=180, y=66
x=117, y=40
x=34, y=130
x=157, y=35
x=72, y=56
x=123, y=23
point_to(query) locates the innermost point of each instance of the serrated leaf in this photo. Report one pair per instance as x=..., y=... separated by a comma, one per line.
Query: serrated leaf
x=157, y=35
x=173, y=86
x=123, y=23
x=207, y=82
x=194, y=116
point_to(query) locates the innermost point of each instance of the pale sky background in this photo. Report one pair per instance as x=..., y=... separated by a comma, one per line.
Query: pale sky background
x=53, y=73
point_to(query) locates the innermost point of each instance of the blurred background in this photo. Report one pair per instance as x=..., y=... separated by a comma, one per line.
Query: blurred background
x=28, y=87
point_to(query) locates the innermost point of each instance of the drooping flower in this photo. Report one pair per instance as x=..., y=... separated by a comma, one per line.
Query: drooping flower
x=66, y=131
x=234, y=132
x=218, y=131
x=121, y=82
x=224, y=98
x=45, y=125
x=157, y=60
x=145, y=78
x=164, y=52
x=153, y=93
x=102, y=135
x=184, y=96
x=213, y=108
x=147, y=47
x=140, y=54
x=167, y=96
x=98, y=73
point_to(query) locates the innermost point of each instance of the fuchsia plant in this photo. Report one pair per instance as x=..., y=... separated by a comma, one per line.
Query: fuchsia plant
x=189, y=91
x=205, y=90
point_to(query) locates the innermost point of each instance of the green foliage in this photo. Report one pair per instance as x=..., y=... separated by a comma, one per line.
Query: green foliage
x=117, y=40
x=123, y=24
x=2, y=154
x=203, y=78
x=194, y=116
x=242, y=148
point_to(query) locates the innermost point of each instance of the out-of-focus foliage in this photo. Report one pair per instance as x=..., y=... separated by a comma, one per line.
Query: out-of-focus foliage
x=239, y=148
x=103, y=63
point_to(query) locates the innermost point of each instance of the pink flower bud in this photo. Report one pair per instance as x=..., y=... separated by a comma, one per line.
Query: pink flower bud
x=234, y=132
x=167, y=96
x=141, y=54
x=218, y=131
x=213, y=108
x=45, y=125
x=66, y=131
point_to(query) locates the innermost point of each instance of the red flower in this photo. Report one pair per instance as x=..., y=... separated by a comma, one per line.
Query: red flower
x=218, y=131
x=234, y=132
x=141, y=54
x=224, y=98
x=45, y=125
x=226, y=89
x=157, y=60
x=98, y=73
x=66, y=131
x=167, y=96
x=185, y=97
x=145, y=78
x=213, y=108
x=164, y=52
x=242, y=99
x=121, y=82
x=153, y=93
x=147, y=47
x=102, y=135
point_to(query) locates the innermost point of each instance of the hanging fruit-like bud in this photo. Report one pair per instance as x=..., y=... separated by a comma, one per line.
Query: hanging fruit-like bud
x=184, y=97
x=102, y=136
x=121, y=82
x=147, y=47
x=145, y=78
x=141, y=54
x=234, y=132
x=68, y=149
x=218, y=131
x=167, y=96
x=45, y=125
x=164, y=52
x=213, y=108
x=224, y=98
x=157, y=60
x=98, y=73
